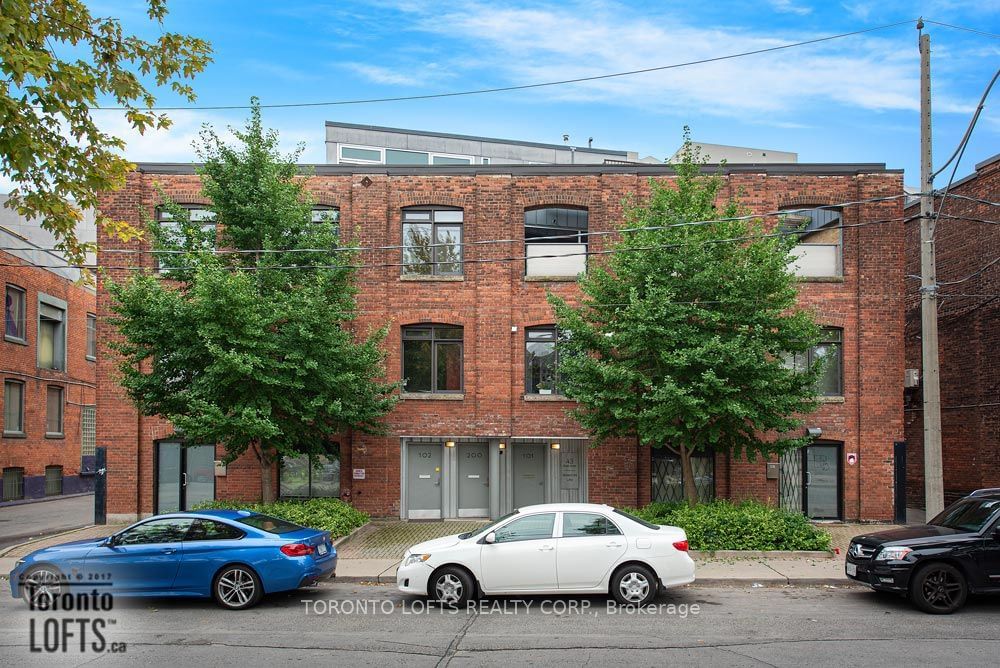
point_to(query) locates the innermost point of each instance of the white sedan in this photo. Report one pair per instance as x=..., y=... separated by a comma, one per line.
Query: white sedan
x=556, y=548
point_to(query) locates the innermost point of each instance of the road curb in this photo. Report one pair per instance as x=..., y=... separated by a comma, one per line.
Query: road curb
x=708, y=582
x=761, y=554
x=787, y=582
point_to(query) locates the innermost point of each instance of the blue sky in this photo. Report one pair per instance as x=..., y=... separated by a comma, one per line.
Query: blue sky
x=849, y=100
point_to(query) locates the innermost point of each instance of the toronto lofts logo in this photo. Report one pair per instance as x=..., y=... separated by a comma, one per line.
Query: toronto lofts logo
x=70, y=618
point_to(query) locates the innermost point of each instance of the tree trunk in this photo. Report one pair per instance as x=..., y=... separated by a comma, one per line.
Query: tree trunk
x=266, y=481
x=266, y=473
x=687, y=476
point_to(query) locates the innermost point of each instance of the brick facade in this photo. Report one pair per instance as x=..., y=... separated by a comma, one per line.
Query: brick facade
x=968, y=336
x=33, y=450
x=494, y=303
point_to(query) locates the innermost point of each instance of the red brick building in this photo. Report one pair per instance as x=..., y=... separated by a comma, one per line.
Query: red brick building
x=49, y=370
x=969, y=336
x=481, y=427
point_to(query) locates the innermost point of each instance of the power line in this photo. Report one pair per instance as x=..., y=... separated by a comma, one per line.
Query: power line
x=971, y=199
x=969, y=218
x=968, y=131
x=465, y=261
x=973, y=274
x=480, y=242
x=973, y=30
x=503, y=89
x=960, y=150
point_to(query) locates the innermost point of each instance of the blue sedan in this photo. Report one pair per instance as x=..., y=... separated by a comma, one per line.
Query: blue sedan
x=234, y=556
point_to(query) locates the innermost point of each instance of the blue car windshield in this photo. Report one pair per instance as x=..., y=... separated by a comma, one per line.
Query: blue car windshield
x=269, y=524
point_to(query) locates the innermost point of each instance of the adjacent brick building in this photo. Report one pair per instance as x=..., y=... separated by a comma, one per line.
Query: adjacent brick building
x=967, y=243
x=481, y=427
x=49, y=369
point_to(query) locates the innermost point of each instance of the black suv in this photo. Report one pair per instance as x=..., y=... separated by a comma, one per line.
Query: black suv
x=935, y=564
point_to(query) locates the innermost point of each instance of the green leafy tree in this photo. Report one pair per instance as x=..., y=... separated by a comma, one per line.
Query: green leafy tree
x=250, y=346
x=682, y=334
x=56, y=59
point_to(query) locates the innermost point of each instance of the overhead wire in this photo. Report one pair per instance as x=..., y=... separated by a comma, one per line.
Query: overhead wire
x=503, y=89
x=511, y=240
x=464, y=261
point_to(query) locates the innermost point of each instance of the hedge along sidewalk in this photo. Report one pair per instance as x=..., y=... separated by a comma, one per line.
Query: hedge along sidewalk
x=746, y=526
x=325, y=514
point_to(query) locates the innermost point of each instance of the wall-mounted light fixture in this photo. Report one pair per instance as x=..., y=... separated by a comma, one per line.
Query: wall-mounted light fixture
x=502, y=445
x=555, y=446
x=815, y=432
x=449, y=444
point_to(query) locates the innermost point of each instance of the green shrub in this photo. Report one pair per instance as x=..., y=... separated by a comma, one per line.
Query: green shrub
x=750, y=525
x=331, y=515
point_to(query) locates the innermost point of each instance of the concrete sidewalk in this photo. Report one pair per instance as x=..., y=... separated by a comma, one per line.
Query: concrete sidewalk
x=24, y=521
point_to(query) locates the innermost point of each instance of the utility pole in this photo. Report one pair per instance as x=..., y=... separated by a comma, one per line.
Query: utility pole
x=933, y=465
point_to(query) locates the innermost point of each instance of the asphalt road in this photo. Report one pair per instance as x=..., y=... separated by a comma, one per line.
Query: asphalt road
x=25, y=521
x=355, y=624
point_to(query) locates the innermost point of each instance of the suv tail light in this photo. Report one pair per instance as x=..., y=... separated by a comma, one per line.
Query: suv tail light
x=681, y=545
x=296, y=549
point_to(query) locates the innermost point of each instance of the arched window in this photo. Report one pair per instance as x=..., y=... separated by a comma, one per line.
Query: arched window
x=819, y=252
x=432, y=241
x=432, y=358
x=555, y=240
x=197, y=214
x=322, y=213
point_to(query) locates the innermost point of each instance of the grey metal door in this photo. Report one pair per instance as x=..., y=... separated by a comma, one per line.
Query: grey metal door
x=473, y=480
x=529, y=474
x=822, y=486
x=423, y=481
x=185, y=477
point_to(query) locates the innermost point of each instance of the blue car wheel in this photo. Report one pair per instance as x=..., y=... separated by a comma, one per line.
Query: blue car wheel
x=41, y=582
x=237, y=587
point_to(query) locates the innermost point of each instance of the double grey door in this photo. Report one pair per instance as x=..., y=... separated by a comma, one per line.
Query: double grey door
x=529, y=474
x=185, y=476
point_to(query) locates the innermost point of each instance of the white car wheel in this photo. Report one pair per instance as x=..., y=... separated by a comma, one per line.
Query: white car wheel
x=633, y=585
x=451, y=586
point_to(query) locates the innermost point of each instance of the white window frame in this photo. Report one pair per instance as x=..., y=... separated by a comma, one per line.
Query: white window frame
x=382, y=149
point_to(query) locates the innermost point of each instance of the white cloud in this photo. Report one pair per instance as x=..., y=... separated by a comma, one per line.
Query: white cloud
x=280, y=72
x=859, y=10
x=579, y=40
x=411, y=74
x=384, y=75
x=789, y=7
x=176, y=144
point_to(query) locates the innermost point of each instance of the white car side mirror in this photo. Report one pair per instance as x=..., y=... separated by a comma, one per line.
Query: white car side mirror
x=491, y=537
